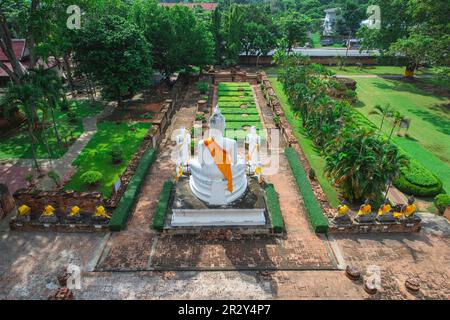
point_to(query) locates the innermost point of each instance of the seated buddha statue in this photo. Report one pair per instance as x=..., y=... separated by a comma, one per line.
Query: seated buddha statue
x=218, y=173
x=385, y=213
x=409, y=209
x=365, y=213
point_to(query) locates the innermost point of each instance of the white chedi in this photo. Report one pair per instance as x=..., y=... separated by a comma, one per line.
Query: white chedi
x=207, y=181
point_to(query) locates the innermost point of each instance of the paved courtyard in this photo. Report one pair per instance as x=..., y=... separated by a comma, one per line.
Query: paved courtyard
x=140, y=263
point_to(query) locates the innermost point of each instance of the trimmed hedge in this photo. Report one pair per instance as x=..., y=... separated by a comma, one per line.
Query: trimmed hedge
x=273, y=204
x=418, y=181
x=126, y=203
x=442, y=201
x=161, y=209
x=317, y=219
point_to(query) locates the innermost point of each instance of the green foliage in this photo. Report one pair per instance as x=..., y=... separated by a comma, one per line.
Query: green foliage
x=124, y=208
x=200, y=117
x=117, y=154
x=316, y=216
x=96, y=155
x=113, y=52
x=91, y=177
x=202, y=87
x=407, y=187
x=417, y=180
x=163, y=203
x=273, y=204
x=442, y=201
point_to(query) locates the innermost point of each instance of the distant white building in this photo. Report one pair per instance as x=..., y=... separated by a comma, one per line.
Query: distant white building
x=329, y=22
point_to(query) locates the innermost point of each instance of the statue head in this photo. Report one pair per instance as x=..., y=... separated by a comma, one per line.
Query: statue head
x=217, y=121
x=253, y=130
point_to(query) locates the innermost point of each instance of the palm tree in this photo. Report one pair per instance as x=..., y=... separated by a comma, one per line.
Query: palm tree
x=26, y=97
x=398, y=118
x=361, y=163
x=383, y=111
x=51, y=86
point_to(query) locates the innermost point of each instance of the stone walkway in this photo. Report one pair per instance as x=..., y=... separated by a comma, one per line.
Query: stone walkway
x=14, y=170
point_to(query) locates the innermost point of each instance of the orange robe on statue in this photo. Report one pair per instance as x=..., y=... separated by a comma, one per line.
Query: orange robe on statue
x=221, y=159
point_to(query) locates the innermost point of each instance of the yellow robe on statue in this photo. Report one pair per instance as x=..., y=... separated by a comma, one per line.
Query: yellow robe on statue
x=222, y=160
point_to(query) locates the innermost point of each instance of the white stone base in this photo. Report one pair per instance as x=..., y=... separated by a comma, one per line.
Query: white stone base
x=217, y=217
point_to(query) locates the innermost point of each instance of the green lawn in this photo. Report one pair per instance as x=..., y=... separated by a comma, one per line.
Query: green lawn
x=429, y=133
x=313, y=156
x=95, y=156
x=376, y=70
x=19, y=146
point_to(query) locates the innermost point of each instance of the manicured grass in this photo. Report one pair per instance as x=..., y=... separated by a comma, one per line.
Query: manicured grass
x=122, y=212
x=95, y=156
x=273, y=204
x=315, y=214
x=316, y=161
x=19, y=145
x=428, y=138
x=377, y=70
x=237, y=117
x=161, y=209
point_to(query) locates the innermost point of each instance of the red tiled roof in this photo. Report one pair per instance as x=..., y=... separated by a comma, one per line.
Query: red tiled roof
x=18, y=47
x=205, y=5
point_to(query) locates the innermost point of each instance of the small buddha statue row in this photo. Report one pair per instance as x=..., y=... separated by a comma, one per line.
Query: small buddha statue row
x=386, y=213
x=49, y=215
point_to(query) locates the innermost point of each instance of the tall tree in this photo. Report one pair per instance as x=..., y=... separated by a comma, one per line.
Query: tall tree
x=114, y=52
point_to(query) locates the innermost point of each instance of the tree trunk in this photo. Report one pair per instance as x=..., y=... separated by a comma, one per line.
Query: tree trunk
x=410, y=68
x=58, y=138
x=68, y=69
x=33, y=146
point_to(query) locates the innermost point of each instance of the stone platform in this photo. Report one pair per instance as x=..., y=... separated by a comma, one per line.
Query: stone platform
x=247, y=213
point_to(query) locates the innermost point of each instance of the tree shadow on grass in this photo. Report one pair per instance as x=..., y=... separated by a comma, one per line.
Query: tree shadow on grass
x=441, y=124
x=402, y=86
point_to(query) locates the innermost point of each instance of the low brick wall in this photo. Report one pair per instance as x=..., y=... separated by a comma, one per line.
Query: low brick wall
x=62, y=201
x=400, y=227
x=234, y=75
x=7, y=203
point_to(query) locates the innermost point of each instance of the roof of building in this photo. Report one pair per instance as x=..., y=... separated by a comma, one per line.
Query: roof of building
x=205, y=5
x=19, y=46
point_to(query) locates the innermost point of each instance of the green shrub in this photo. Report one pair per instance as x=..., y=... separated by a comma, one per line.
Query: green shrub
x=200, y=117
x=117, y=154
x=317, y=219
x=418, y=181
x=273, y=204
x=161, y=209
x=91, y=177
x=409, y=188
x=126, y=203
x=202, y=87
x=417, y=174
x=442, y=201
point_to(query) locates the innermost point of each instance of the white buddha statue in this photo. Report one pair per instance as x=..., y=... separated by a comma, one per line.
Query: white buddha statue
x=253, y=140
x=218, y=173
x=183, y=154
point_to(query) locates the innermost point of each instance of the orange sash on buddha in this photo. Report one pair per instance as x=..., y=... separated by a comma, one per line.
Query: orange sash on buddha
x=222, y=160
